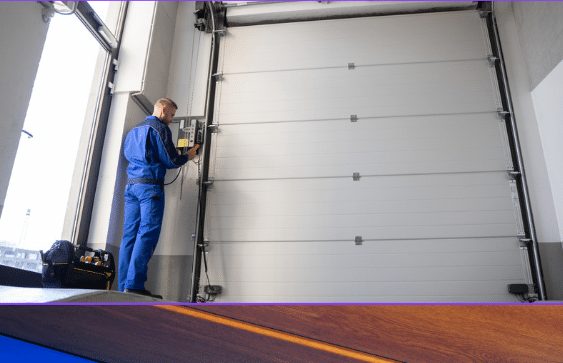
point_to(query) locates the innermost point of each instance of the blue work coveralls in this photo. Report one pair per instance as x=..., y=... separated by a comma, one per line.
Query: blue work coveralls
x=150, y=151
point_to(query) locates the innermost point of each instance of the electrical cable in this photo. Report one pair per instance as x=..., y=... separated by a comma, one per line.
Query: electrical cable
x=205, y=264
x=181, y=169
x=175, y=177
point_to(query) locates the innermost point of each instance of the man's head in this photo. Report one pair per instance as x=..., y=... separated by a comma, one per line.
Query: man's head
x=165, y=109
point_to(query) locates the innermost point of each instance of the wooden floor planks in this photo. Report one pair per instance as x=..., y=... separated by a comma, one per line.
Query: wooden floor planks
x=404, y=333
x=421, y=333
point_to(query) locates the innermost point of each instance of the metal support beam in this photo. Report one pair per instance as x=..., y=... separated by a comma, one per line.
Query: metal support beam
x=96, y=26
x=204, y=177
x=524, y=197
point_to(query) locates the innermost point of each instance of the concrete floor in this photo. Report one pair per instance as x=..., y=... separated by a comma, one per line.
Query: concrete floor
x=32, y=295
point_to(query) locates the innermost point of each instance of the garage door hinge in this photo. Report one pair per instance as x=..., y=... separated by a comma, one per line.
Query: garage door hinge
x=207, y=183
x=356, y=176
x=353, y=118
x=213, y=128
x=513, y=175
x=351, y=66
x=218, y=77
x=525, y=242
x=483, y=14
x=359, y=240
x=204, y=244
x=502, y=113
x=492, y=60
x=115, y=63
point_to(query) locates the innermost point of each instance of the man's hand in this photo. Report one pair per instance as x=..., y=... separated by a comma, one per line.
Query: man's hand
x=192, y=151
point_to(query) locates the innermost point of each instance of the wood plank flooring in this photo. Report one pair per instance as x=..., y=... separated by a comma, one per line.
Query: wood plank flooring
x=421, y=333
x=317, y=333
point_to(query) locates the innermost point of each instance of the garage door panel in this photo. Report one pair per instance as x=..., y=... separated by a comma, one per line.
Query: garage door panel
x=415, y=116
x=411, y=187
x=302, y=201
x=374, y=292
x=369, y=134
x=364, y=220
x=354, y=299
x=384, y=106
x=286, y=146
x=413, y=38
x=287, y=250
x=387, y=169
x=300, y=208
x=251, y=262
x=306, y=210
x=303, y=138
x=373, y=164
x=371, y=147
x=254, y=232
x=386, y=275
x=419, y=89
x=354, y=257
x=369, y=195
x=419, y=76
x=337, y=157
x=354, y=274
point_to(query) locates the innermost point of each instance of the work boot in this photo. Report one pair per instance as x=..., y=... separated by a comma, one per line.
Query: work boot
x=142, y=292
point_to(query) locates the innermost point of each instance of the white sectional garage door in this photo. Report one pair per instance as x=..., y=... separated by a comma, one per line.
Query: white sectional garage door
x=361, y=160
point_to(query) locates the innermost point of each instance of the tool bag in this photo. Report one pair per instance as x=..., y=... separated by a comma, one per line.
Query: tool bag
x=68, y=266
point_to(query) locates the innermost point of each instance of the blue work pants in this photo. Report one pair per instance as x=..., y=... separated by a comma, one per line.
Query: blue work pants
x=144, y=209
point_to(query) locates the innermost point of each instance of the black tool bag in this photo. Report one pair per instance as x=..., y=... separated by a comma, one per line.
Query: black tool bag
x=68, y=266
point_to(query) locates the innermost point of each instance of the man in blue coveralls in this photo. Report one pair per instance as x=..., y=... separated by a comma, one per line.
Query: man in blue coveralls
x=150, y=151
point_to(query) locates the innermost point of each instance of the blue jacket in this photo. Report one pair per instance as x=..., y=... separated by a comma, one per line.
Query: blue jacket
x=150, y=151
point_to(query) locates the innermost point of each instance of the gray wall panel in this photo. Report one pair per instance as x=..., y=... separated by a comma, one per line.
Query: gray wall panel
x=170, y=276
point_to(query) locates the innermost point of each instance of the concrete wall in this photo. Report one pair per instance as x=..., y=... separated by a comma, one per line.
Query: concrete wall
x=539, y=25
x=515, y=46
x=548, y=101
x=22, y=36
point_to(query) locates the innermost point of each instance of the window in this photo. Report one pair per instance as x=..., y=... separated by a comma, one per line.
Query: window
x=40, y=183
